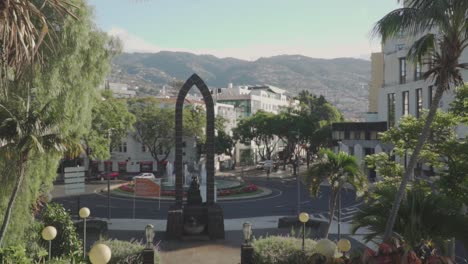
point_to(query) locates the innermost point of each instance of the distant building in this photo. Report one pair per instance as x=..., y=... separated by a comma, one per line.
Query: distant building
x=120, y=90
x=249, y=99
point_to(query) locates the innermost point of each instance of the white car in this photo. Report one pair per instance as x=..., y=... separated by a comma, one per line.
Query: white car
x=145, y=175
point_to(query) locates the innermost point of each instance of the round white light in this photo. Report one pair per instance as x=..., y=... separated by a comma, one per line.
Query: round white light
x=344, y=245
x=100, y=254
x=49, y=233
x=325, y=247
x=84, y=212
x=303, y=217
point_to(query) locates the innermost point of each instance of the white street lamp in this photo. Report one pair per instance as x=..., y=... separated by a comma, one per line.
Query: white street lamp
x=84, y=213
x=149, y=232
x=247, y=230
x=100, y=254
x=303, y=218
x=48, y=234
x=344, y=245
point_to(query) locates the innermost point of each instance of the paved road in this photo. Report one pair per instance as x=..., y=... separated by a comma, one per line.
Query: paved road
x=282, y=201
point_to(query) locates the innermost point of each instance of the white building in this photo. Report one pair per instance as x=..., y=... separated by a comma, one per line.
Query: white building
x=120, y=90
x=396, y=90
x=247, y=100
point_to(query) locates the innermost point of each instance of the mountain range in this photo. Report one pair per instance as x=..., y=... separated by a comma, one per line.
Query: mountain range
x=343, y=81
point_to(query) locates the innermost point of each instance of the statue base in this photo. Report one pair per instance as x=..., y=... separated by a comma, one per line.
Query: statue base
x=210, y=217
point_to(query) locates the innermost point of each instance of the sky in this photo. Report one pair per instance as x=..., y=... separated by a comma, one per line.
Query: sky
x=245, y=29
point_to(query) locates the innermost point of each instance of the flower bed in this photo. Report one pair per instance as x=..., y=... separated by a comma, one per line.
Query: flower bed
x=242, y=189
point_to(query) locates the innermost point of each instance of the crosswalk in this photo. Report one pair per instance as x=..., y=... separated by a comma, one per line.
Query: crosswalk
x=347, y=214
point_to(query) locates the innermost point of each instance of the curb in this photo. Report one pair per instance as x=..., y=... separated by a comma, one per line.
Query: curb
x=265, y=192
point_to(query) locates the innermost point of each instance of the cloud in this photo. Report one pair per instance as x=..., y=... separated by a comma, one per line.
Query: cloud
x=133, y=43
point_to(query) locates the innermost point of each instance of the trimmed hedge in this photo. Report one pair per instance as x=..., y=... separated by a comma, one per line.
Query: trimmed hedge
x=125, y=252
x=283, y=250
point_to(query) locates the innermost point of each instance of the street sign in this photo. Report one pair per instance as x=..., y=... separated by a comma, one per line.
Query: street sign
x=74, y=180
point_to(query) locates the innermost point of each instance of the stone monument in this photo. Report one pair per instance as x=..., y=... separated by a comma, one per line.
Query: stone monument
x=202, y=218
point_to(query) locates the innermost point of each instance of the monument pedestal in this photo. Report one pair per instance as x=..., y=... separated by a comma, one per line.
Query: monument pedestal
x=175, y=223
x=215, y=221
x=211, y=216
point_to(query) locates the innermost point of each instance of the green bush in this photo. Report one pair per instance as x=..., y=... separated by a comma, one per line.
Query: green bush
x=14, y=255
x=125, y=252
x=67, y=243
x=282, y=250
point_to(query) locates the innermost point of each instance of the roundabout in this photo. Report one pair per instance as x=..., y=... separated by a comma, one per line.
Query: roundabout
x=226, y=189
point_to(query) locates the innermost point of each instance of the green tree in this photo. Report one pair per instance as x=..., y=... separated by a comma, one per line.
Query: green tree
x=337, y=169
x=423, y=215
x=65, y=79
x=317, y=115
x=459, y=106
x=109, y=115
x=155, y=126
x=259, y=128
x=224, y=144
x=25, y=26
x=25, y=131
x=422, y=18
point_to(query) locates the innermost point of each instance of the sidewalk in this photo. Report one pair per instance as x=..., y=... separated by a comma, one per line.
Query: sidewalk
x=225, y=251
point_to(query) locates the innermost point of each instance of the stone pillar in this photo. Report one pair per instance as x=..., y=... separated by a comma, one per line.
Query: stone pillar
x=247, y=254
x=148, y=256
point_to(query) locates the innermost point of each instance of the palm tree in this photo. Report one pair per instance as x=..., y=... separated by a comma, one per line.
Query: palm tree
x=441, y=51
x=422, y=216
x=25, y=130
x=23, y=28
x=338, y=169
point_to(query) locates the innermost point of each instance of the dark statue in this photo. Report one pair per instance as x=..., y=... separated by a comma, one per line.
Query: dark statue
x=193, y=195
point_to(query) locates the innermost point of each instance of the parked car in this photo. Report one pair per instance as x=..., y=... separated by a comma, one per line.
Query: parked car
x=145, y=175
x=111, y=175
x=260, y=165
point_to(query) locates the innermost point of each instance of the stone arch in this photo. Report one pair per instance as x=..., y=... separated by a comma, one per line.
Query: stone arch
x=210, y=119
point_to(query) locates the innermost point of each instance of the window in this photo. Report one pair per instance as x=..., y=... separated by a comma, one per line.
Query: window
x=123, y=147
x=351, y=150
x=419, y=105
x=391, y=109
x=143, y=148
x=430, y=96
x=346, y=134
x=417, y=71
x=402, y=70
x=405, y=102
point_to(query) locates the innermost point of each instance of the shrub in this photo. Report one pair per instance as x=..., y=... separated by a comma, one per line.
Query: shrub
x=67, y=243
x=125, y=252
x=282, y=250
x=14, y=255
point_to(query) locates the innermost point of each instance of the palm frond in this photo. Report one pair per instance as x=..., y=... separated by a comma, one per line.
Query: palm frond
x=422, y=47
x=23, y=28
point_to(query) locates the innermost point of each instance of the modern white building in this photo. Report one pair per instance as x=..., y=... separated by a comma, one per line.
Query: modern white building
x=396, y=89
x=120, y=90
x=247, y=100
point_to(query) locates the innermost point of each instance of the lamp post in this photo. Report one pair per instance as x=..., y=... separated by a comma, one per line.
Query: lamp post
x=100, y=254
x=344, y=245
x=303, y=218
x=148, y=252
x=109, y=133
x=246, y=247
x=84, y=213
x=48, y=234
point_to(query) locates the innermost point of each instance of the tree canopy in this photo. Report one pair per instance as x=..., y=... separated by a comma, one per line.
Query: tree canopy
x=155, y=126
x=63, y=81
